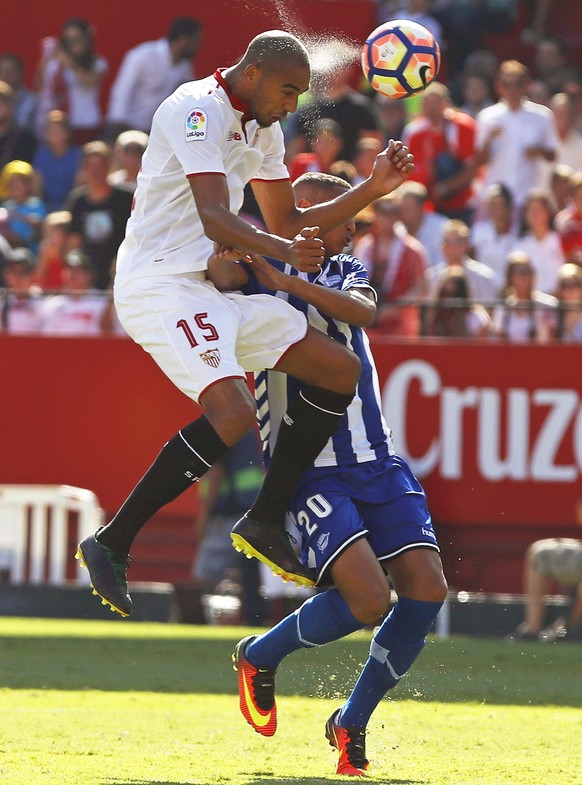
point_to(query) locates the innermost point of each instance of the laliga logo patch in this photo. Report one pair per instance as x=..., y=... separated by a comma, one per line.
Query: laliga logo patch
x=211, y=357
x=196, y=124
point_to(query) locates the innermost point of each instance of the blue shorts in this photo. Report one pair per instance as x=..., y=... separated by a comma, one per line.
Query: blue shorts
x=380, y=500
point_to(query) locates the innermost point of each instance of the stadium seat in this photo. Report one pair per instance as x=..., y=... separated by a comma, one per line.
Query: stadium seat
x=34, y=531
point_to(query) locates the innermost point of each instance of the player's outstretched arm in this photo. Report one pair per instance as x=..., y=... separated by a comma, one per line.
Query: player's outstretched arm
x=355, y=306
x=393, y=166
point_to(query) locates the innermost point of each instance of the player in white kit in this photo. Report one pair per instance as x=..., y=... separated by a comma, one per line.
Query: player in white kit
x=208, y=141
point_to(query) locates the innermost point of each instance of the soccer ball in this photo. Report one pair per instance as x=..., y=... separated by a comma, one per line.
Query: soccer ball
x=400, y=58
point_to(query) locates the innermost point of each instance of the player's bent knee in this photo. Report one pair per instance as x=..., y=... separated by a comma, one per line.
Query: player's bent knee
x=232, y=417
x=345, y=374
x=371, y=605
x=434, y=590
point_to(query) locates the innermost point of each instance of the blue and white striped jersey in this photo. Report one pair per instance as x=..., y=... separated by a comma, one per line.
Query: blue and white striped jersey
x=362, y=434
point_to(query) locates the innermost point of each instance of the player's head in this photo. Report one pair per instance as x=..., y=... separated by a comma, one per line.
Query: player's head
x=315, y=188
x=271, y=76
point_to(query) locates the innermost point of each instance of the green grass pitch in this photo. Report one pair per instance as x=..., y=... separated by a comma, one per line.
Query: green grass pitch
x=121, y=703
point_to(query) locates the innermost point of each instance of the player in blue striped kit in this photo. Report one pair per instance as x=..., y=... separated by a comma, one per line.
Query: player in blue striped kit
x=358, y=512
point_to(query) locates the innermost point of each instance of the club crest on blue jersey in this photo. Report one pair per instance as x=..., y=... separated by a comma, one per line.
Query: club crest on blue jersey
x=323, y=541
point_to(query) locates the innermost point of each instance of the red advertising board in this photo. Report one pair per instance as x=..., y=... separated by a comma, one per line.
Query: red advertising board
x=493, y=431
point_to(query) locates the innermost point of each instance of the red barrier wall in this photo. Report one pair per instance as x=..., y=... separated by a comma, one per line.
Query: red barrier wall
x=84, y=412
x=493, y=431
x=228, y=24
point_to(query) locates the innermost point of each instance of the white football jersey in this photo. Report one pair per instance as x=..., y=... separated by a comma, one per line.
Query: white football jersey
x=199, y=129
x=67, y=315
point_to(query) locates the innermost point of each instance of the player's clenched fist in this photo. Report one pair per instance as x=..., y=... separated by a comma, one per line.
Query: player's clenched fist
x=392, y=166
x=306, y=251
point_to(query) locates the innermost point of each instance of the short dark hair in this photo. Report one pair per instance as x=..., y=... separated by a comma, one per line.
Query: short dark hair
x=183, y=26
x=268, y=48
x=317, y=185
x=500, y=189
x=10, y=57
x=327, y=126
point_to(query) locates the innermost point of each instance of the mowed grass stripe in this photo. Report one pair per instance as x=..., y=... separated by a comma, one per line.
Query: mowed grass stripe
x=55, y=654
x=114, y=738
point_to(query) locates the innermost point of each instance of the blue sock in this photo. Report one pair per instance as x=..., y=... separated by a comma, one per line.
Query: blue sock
x=394, y=648
x=322, y=618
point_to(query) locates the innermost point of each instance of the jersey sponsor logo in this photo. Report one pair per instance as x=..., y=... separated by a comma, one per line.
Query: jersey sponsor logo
x=233, y=136
x=196, y=125
x=211, y=357
x=332, y=282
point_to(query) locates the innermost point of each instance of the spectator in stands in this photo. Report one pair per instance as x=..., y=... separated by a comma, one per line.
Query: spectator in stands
x=16, y=144
x=396, y=264
x=476, y=93
x=465, y=27
x=539, y=93
x=483, y=62
x=336, y=100
x=23, y=100
x=560, y=186
x=551, y=562
x=526, y=314
x=392, y=117
x=21, y=312
x=540, y=241
x=416, y=11
x=573, y=88
x=537, y=17
x=99, y=212
x=570, y=139
x=455, y=246
x=515, y=136
x=69, y=77
x=453, y=314
x=367, y=148
x=128, y=150
x=344, y=169
x=227, y=491
x=551, y=63
x=569, y=221
x=570, y=299
x=25, y=211
x=420, y=222
x=57, y=161
x=80, y=308
x=53, y=244
x=149, y=73
x=325, y=149
x=5, y=247
x=494, y=236
x=364, y=221
x=442, y=140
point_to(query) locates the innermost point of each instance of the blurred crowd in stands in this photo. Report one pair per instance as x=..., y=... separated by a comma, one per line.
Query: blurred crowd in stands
x=484, y=241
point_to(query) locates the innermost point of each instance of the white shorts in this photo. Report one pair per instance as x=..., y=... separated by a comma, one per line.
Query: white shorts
x=199, y=336
x=559, y=558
